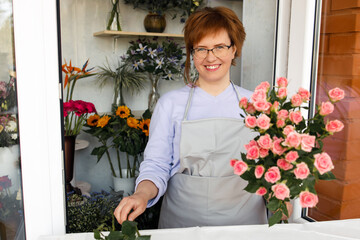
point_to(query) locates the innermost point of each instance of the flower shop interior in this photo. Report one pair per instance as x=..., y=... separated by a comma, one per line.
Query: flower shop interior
x=79, y=82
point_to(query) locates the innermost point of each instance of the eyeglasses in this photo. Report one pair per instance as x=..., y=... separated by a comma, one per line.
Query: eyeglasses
x=219, y=51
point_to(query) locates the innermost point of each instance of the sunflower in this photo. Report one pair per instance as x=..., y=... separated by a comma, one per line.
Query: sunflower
x=103, y=121
x=123, y=111
x=144, y=126
x=132, y=122
x=93, y=120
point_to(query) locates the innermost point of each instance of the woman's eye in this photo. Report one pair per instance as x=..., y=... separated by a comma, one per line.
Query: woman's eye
x=201, y=49
x=219, y=47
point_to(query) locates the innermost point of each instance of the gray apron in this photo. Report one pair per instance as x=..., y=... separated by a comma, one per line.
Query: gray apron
x=205, y=191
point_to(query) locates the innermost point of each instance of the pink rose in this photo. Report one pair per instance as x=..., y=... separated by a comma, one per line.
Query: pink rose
x=261, y=191
x=283, y=164
x=250, y=108
x=323, y=162
x=280, y=123
x=334, y=126
x=258, y=95
x=243, y=103
x=291, y=156
x=268, y=111
x=263, y=122
x=259, y=171
x=263, y=152
x=263, y=86
x=240, y=167
x=288, y=129
x=265, y=141
x=293, y=139
x=252, y=143
x=275, y=107
x=308, y=199
x=281, y=191
x=307, y=142
x=272, y=175
x=301, y=171
x=233, y=161
x=336, y=94
x=282, y=92
x=253, y=153
x=277, y=147
x=295, y=117
x=282, y=82
x=296, y=100
x=326, y=108
x=250, y=121
x=283, y=114
x=305, y=94
x=261, y=105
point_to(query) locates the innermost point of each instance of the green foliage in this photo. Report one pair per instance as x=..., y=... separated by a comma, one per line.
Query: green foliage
x=129, y=232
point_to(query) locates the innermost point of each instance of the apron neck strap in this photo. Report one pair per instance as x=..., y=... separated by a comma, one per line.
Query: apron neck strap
x=192, y=93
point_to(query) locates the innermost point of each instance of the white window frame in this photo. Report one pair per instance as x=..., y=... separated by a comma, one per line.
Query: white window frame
x=37, y=64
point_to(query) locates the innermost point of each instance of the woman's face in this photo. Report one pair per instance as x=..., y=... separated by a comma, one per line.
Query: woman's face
x=212, y=68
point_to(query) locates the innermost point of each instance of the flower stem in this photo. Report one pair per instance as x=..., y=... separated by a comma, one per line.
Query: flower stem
x=119, y=162
x=109, y=159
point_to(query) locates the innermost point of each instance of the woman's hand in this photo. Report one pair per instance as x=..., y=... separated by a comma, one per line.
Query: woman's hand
x=137, y=202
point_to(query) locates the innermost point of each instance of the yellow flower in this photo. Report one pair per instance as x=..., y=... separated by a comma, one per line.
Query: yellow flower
x=123, y=111
x=93, y=120
x=102, y=122
x=144, y=126
x=132, y=122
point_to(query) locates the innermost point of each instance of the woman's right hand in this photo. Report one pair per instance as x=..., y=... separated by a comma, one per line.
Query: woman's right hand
x=137, y=202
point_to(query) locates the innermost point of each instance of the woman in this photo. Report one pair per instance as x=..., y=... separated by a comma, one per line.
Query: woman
x=194, y=133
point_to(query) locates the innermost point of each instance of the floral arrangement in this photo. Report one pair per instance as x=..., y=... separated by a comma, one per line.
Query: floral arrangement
x=114, y=15
x=127, y=134
x=8, y=130
x=129, y=230
x=7, y=95
x=75, y=113
x=286, y=159
x=161, y=6
x=162, y=60
x=72, y=74
x=9, y=202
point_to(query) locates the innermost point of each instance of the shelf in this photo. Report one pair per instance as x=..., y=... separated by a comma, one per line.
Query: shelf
x=110, y=33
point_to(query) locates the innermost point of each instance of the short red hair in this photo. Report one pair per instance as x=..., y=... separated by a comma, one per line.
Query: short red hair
x=209, y=21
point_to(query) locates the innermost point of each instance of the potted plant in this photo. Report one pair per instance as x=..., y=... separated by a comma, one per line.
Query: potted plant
x=124, y=77
x=155, y=19
x=124, y=133
x=157, y=60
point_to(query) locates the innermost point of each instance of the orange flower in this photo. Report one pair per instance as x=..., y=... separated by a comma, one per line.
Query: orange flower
x=132, y=122
x=144, y=126
x=103, y=121
x=123, y=111
x=93, y=120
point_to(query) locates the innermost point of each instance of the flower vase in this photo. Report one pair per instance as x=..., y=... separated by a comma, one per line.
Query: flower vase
x=154, y=22
x=69, y=154
x=112, y=19
x=124, y=184
x=154, y=94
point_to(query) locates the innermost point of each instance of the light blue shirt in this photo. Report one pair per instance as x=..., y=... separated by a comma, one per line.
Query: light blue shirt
x=162, y=153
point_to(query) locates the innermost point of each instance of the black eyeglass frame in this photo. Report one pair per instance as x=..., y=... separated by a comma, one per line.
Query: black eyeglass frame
x=210, y=50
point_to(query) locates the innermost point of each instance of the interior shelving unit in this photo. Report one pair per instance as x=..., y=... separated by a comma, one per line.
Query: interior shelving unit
x=120, y=34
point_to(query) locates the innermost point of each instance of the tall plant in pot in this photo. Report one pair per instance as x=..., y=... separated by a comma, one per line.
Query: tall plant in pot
x=158, y=60
x=123, y=133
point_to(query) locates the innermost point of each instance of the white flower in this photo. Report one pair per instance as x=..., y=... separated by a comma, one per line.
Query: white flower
x=14, y=136
x=141, y=48
x=136, y=66
x=11, y=126
x=152, y=53
x=159, y=63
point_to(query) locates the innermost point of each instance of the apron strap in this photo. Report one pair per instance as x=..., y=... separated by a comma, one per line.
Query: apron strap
x=192, y=93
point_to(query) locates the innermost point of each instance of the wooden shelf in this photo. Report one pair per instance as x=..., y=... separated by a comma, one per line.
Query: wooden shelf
x=110, y=33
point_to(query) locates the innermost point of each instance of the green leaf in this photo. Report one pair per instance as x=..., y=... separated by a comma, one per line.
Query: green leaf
x=273, y=204
x=129, y=228
x=97, y=234
x=116, y=235
x=251, y=188
x=144, y=237
x=276, y=218
x=327, y=176
x=284, y=209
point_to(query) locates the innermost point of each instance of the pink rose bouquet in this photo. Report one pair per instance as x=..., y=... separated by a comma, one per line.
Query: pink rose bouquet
x=75, y=114
x=286, y=159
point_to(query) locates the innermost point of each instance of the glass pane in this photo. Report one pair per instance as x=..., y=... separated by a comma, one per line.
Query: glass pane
x=83, y=23
x=339, y=67
x=11, y=209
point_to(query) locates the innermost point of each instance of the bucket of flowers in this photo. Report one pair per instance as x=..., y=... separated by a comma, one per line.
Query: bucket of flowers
x=123, y=133
x=286, y=158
